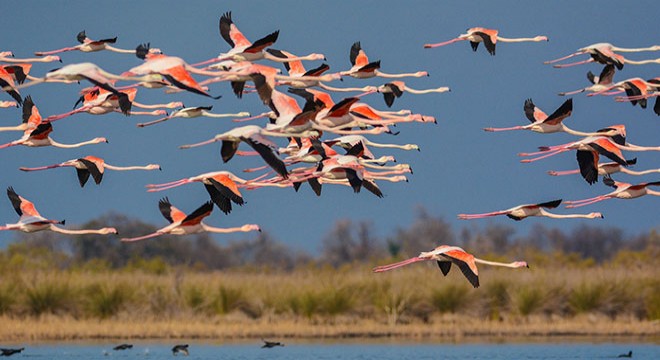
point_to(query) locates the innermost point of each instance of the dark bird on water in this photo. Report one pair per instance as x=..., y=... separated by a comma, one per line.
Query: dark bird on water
x=123, y=347
x=10, y=352
x=628, y=355
x=271, y=344
x=180, y=349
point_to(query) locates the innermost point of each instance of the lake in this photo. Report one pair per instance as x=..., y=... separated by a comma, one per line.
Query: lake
x=346, y=351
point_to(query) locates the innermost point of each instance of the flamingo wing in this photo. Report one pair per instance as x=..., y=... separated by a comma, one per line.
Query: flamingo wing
x=28, y=109
x=318, y=71
x=227, y=188
x=444, y=266
x=357, y=55
x=588, y=161
x=169, y=212
x=353, y=179
x=606, y=148
x=19, y=204
x=223, y=202
x=42, y=131
x=371, y=186
x=228, y=149
x=18, y=71
x=198, y=215
x=93, y=169
x=342, y=108
x=560, y=114
x=8, y=86
x=262, y=43
x=607, y=75
x=182, y=79
x=266, y=153
x=550, y=204
x=370, y=67
x=230, y=32
x=533, y=113
x=466, y=264
x=633, y=90
x=83, y=176
x=488, y=41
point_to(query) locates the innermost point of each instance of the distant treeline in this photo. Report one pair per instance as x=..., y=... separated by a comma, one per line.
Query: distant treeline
x=347, y=243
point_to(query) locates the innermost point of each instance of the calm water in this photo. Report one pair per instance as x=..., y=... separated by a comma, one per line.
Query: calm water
x=323, y=351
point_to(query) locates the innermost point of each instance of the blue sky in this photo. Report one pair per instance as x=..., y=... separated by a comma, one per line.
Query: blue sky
x=461, y=169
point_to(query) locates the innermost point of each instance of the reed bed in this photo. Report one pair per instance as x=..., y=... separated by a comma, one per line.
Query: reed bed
x=324, y=302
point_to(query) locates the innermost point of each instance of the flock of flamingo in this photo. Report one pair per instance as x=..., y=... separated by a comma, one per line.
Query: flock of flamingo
x=304, y=115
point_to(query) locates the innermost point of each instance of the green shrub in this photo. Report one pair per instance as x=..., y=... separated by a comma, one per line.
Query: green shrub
x=450, y=298
x=586, y=297
x=48, y=297
x=106, y=301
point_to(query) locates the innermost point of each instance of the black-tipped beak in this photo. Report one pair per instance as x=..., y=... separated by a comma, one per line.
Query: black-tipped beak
x=60, y=60
x=527, y=266
x=160, y=168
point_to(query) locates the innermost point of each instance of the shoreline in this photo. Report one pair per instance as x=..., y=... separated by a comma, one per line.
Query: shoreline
x=230, y=328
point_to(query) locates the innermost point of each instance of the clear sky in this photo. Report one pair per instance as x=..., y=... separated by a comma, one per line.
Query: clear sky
x=461, y=168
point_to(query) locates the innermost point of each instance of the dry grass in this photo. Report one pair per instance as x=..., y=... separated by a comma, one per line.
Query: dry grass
x=307, y=303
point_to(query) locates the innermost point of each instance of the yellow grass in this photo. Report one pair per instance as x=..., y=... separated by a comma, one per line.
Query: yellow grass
x=415, y=302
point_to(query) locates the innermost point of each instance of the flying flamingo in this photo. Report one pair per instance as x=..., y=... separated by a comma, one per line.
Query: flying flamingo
x=636, y=89
x=545, y=124
x=30, y=115
x=37, y=133
x=222, y=187
x=302, y=77
x=182, y=224
x=608, y=169
x=523, y=211
x=30, y=220
x=91, y=165
x=363, y=69
x=8, y=56
x=489, y=37
x=395, y=89
x=599, y=82
x=174, y=69
x=97, y=101
x=588, y=149
x=604, y=53
x=623, y=191
x=21, y=72
x=244, y=50
x=193, y=112
x=252, y=135
x=88, y=45
x=611, y=148
x=445, y=255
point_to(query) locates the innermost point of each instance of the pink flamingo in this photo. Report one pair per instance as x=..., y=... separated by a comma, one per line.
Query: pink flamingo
x=363, y=69
x=395, y=89
x=37, y=133
x=445, y=255
x=244, y=50
x=91, y=165
x=30, y=220
x=608, y=169
x=182, y=224
x=193, y=112
x=603, y=81
x=546, y=124
x=521, y=212
x=8, y=57
x=604, y=53
x=88, y=45
x=489, y=37
x=252, y=135
x=7, y=84
x=623, y=191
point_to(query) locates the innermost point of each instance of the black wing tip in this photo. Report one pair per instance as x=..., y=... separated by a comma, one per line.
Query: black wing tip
x=142, y=50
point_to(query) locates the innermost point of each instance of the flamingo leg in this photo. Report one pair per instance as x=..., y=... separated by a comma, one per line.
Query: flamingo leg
x=52, y=52
x=560, y=66
x=479, y=216
x=563, y=58
x=148, y=123
x=399, y=264
x=149, y=236
x=565, y=172
x=490, y=129
x=576, y=205
x=552, y=153
x=166, y=186
x=572, y=92
x=429, y=46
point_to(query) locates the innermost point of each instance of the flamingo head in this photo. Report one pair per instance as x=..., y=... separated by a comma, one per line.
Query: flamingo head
x=108, y=230
x=421, y=74
x=6, y=54
x=595, y=215
x=541, y=38
x=51, y=58
x=100, y=140
x=250, y=227
x=174, y=105
x=153, y=167
x=519, y=264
